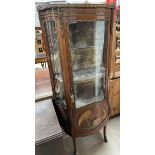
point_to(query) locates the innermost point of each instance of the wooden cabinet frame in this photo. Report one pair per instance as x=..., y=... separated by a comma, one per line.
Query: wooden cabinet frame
x=70, y=116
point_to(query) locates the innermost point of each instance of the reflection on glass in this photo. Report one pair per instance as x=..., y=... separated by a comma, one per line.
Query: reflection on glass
x=88, y=92
x=53, y=46
x=86, y=47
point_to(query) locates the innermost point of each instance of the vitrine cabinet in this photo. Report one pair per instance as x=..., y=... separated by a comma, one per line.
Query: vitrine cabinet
x=78, y=38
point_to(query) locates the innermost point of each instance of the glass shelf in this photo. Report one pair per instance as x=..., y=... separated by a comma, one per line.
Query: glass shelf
x=88, y=74
x=85, y=75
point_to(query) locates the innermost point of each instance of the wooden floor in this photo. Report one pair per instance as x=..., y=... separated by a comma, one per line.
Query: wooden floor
x=42, y=84
x=94, y=145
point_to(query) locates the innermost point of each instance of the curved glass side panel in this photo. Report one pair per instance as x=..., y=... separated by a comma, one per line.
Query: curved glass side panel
x=53, y=47
x=86, y=48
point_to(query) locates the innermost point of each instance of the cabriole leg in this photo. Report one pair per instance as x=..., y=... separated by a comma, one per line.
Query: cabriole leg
x=74, y=144
x=104, y=133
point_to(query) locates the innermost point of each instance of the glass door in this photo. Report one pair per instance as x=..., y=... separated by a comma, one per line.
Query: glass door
x=86, y=40
x=53, y=47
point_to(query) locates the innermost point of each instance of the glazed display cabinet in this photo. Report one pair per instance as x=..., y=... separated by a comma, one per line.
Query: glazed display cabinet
x=77, y=39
